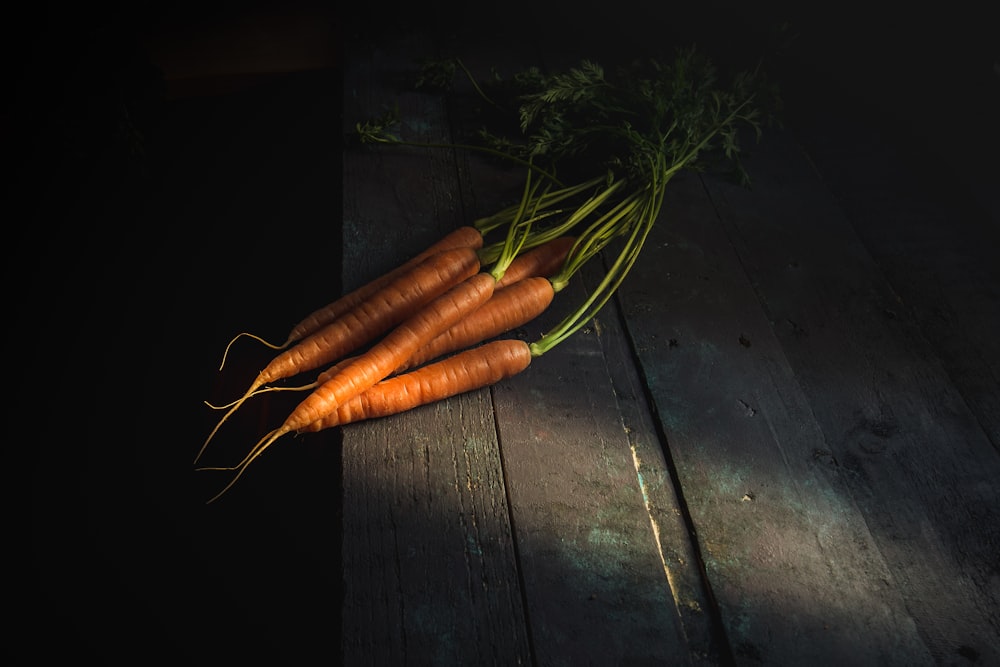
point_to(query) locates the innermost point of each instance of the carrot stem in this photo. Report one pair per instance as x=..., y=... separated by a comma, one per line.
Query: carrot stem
x=370, y=133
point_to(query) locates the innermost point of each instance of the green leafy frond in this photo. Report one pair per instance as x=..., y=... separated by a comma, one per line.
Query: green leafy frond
x=436, y=73
x=640, y=124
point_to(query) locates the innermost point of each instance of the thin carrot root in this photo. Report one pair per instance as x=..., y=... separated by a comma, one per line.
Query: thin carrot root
x=242, y=462
x=381, y=360
x=248, y=335
x=472, y=369
x=305, y=387
x=453, y=290
x=236, y=404
x=241, y=467
x=398, y=301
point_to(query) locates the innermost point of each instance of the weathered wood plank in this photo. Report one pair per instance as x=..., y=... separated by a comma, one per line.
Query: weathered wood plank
x=396, y=200
x=596, y=587
x=602, y=585
x=902, y=437
x=428, y=558
x=794, y=570
x=936, y=246
x=667, y=513
x=825, y=539
x=429, y=569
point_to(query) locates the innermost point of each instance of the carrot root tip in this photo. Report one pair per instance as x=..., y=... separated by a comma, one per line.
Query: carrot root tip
x=256, y=393
x=248, y=335
x=252, y=391
x=241, y=467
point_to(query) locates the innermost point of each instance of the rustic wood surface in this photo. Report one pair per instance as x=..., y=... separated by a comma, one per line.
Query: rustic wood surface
x=776, y=446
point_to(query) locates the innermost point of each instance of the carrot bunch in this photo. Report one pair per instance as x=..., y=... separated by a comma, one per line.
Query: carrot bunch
x=422, y=332
x=421, y=329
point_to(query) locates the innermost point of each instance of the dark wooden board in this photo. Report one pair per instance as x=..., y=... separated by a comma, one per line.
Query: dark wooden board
x=426, y=500
x=429, y=568
x=608, y=397
x=595, y=584
x=762, y=451
x=913, y=456
x=794, y=570
x=682, y=560
x=934, y=240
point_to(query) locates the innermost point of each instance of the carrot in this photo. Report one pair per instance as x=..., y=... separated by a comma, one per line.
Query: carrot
x=505, y=310
x=543, y=260
x=509, y=308
x=463, y=237
x=323, y=377
x=393, y=350
x=468, y=370
x=393, y=303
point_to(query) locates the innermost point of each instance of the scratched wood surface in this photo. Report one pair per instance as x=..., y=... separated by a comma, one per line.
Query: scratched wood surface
x=776, y=446
x=441, y=492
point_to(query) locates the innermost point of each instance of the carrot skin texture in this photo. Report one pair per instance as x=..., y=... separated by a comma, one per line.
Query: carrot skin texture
x=468, y=370
x=531, y=294
x=542, y=261
x=384, y=357
x=507, y=309
x=498, y=318
x=463, y=237
x=393, y=303
x=519, y=304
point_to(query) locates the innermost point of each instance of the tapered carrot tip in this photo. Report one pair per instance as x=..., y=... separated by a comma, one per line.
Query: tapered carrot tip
x=249, y=335
x=241, y=467
x=265, y=390
x=252, y=391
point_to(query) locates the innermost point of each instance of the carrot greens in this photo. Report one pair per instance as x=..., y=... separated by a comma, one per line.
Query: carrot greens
x=599, y=149
x=634, y=129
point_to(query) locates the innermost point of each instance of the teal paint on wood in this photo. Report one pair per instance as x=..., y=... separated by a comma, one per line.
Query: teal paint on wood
x=741, y=436
x=879, y=395
x=785, y=380
x=584, y=536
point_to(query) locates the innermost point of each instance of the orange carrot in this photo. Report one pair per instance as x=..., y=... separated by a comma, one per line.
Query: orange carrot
x=507, y=309
x=543, y=260
x=468, y=370
x=463, y=237
x=392, y=351
x=396, y=301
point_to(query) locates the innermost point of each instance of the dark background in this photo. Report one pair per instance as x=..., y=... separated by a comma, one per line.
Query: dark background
x=163, y=156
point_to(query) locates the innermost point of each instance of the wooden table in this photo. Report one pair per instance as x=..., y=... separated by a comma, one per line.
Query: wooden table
x=777, y=445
